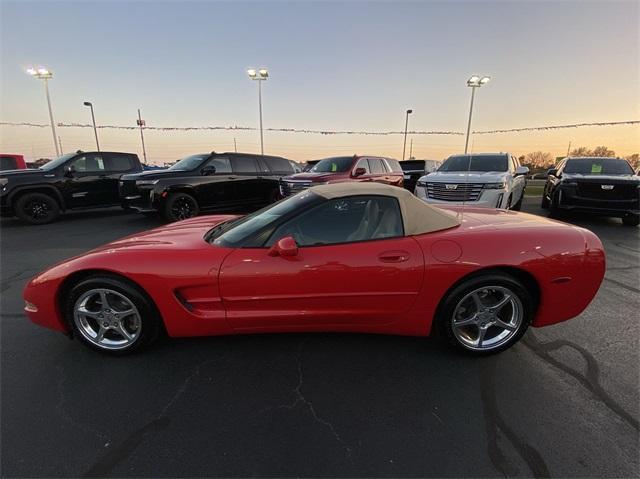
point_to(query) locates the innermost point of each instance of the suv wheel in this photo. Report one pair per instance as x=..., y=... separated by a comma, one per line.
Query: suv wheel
x=631, y=220
x=180, y=206
x=486, y=314
x=37, y=208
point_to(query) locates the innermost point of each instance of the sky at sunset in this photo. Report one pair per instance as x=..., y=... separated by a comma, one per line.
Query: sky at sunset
x=333, y=66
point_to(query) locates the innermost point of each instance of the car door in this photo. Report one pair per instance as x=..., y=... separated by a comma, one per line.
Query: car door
x=216, y=190
x=366, y=176
x=85, y=183
x=246, y=171
x=354, y=266
x=519, y=182
x=116, y=165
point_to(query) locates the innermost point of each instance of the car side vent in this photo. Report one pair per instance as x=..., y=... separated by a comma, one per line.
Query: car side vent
x=183, y=301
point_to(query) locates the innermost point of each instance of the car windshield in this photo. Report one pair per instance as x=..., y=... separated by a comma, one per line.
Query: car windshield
x=597, y=166
x=478, y=163
x=231, y=234
x=333, y=165
x=189, y=163
x=412, y=165
x=57, y=162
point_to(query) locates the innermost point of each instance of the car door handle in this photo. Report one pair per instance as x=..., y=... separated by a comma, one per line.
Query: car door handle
x=394, y=256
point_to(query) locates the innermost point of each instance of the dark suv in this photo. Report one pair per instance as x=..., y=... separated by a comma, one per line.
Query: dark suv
x=602, y=186
x=75, y=180
x=345, y=168
x=206, y=182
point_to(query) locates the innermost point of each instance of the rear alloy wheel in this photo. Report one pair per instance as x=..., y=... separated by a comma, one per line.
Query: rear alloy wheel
x=631, y=220
x=110, y=315
x=486, y=314
x=37, y=208
x=180, y=206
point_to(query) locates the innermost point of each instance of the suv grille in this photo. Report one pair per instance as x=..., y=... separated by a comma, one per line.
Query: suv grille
x=619, y=191
x=288, y=188
x=454, y=192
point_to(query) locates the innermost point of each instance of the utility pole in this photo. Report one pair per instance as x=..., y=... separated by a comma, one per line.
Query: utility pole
x=406, y=124
x=141, y=123
x=569, y=148
x=93, y=119
x=60, y=143
x=411, y=149
x=235, y=145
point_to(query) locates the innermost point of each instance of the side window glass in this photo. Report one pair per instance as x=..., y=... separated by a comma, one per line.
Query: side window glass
x=356, y=218
x=222, y=165
x=363, y=163
x=375, y=166
x=88, y=163
x=119, y=163
x=7, y=163
x=244, y=164
x=279, y=165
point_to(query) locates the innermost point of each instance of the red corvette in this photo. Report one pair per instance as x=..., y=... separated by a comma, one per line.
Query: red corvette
x=358, y=257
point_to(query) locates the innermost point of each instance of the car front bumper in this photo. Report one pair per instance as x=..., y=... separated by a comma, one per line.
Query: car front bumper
x=487, y=199
x=568, y=199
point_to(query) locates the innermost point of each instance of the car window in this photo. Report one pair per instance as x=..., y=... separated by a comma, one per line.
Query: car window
x=278, y=165
x=119, y=163
x=362, y=163
x=189, y=163
x=355, y=218
x=394, y=165
x=221, y=164
x=88, y=163
x=376, y=166
x=8, y=163
x=476, y=163
x=244, y=164
x=333, y=165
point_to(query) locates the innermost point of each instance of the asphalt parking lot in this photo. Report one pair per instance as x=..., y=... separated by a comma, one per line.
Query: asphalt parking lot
x=563, y=402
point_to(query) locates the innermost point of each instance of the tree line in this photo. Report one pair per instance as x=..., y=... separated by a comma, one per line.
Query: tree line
x=543, y=160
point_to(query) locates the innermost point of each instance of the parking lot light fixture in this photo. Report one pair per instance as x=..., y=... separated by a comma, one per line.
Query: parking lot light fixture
x=93, y=118
x=45, y=75
x=475, y=81
x=260, y=75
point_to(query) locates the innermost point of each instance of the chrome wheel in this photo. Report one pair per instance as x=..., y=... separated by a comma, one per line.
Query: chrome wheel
x=487, y=317
x=107, y=319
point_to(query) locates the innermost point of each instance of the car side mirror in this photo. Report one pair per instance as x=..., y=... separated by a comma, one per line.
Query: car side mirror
x=208, y=170
x=285, y=247
x=522, y=170
x=552, y=172
x=69, y=171
x=359, y=171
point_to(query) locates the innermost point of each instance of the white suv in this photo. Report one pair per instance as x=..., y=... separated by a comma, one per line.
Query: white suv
x=490, y=180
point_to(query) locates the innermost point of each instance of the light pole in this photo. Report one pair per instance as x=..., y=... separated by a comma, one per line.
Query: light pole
x=406, y=124
x=45, y=75
x=93, y=118
x=142, y=123
x=474, y=82
x=261, y=75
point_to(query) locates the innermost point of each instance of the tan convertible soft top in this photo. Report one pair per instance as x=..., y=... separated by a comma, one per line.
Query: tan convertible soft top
x=418, y=216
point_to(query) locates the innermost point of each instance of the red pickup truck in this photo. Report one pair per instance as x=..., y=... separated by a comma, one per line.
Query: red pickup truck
x=12, y=162
x=345, y=168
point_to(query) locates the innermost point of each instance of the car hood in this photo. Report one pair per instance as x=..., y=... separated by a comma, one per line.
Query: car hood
x=314, y=177
x=466, y=177
x=154, y=175
x=28, y=173
x=187, y=234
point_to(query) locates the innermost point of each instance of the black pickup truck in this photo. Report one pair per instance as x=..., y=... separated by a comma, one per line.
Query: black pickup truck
x=600, y=186
x=72, y=181
x=208, y=182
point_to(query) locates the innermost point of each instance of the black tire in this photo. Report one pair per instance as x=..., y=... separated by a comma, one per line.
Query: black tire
x=445, y=315
x=37, y=208
x=180, y=206
x=518, y=205
x=150, y=322
x=631, y=220
x=545, y=201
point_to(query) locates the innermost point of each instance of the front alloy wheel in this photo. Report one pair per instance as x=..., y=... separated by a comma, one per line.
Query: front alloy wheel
x=180, y=206
x=107, y=319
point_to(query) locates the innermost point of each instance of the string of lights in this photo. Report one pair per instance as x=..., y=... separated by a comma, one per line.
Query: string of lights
x=324, y=132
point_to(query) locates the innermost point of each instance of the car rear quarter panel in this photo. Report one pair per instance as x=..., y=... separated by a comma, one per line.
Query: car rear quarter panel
x=565, y=265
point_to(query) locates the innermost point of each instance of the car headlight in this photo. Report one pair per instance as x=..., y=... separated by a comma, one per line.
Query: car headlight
x=423, y=184
x=495, y=186
x=146, y=182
